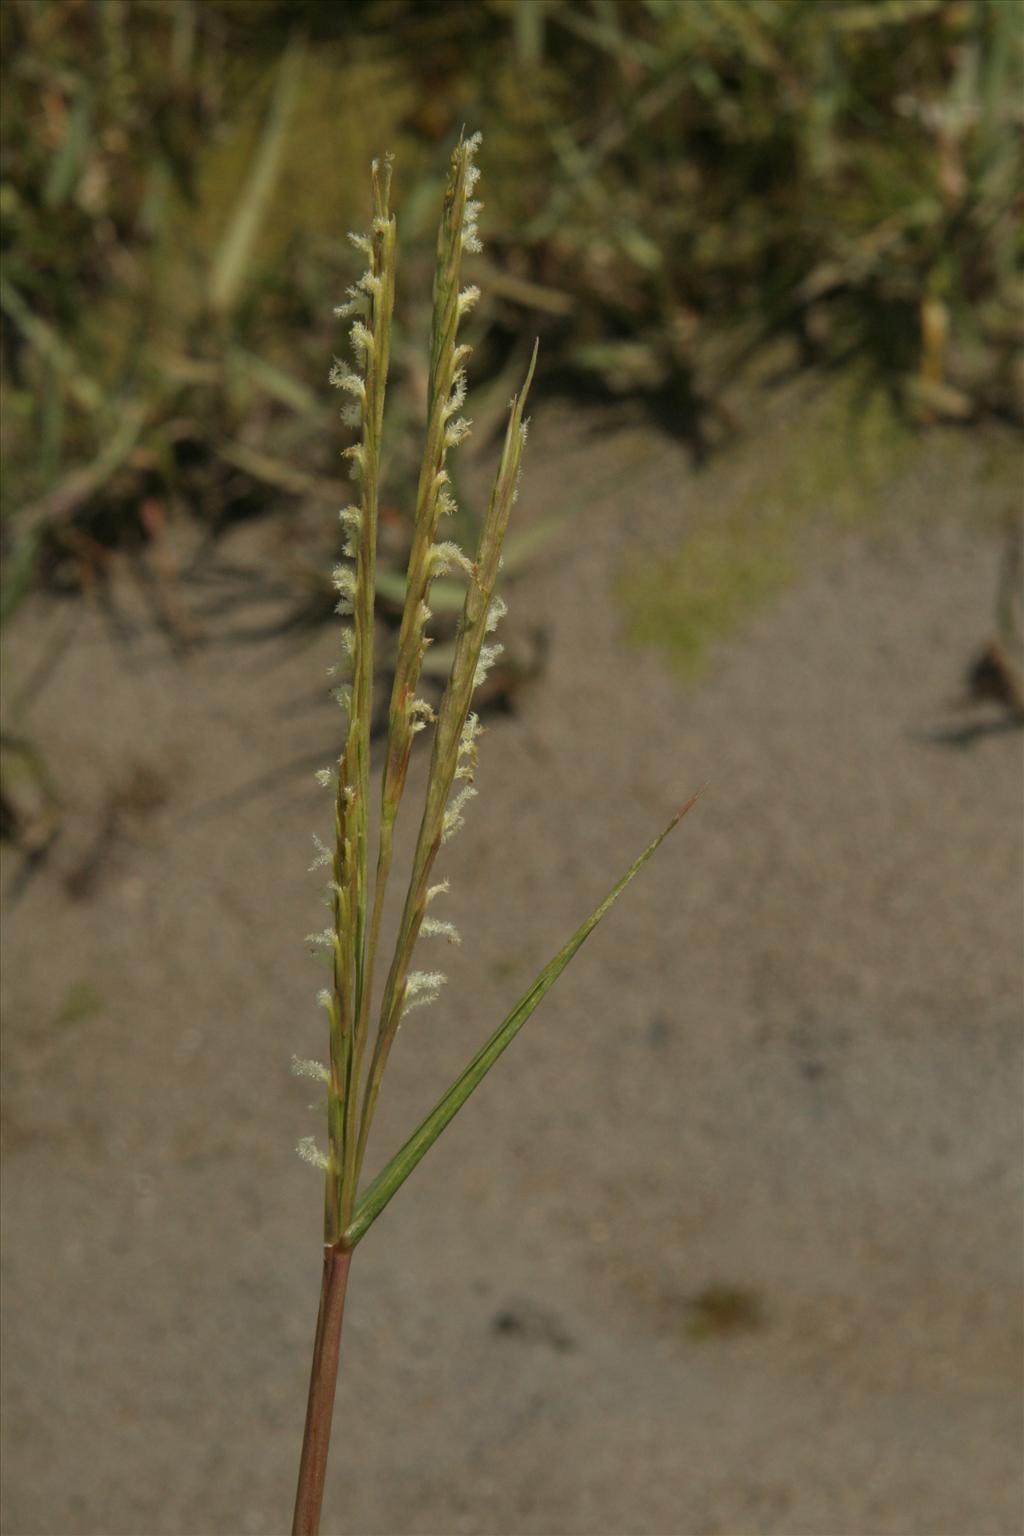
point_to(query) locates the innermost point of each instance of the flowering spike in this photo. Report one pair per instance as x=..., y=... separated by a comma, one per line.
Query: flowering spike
x=352, y=938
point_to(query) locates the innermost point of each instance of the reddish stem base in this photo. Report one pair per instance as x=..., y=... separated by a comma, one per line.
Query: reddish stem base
x=323, y=1378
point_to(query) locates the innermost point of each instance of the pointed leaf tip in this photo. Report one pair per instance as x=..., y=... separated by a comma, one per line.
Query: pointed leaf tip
x=688, y=805
x=395, y=1172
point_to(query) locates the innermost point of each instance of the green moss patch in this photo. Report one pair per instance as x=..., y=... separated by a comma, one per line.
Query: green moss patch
x=835, y=465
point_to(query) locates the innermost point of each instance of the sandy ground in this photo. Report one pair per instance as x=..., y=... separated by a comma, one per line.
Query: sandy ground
x=728, y=1243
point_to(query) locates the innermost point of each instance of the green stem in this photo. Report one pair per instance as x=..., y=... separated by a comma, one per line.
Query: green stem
x=380, y=885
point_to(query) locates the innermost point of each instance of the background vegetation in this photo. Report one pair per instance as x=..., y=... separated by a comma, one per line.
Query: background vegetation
x=680, y=184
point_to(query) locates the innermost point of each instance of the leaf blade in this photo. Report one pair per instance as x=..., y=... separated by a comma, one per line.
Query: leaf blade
x=234, y=252
x=394, y=1174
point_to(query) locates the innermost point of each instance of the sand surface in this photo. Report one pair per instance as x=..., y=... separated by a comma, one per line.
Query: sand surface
x=730, y=1241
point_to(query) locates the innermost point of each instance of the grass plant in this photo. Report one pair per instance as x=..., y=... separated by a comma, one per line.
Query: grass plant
x=361, y=1037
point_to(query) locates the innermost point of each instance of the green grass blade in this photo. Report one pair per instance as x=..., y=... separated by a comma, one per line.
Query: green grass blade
x=66, y=165
x=395, y=1173
x=233, y=255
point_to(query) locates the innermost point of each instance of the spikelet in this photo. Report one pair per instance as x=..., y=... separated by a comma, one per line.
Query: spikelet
x=453, y=818
x=323, y=854
x=421, y=714
x=356, y=304
x=488, y=656
x=495, y=613
x=421, y=989
x=344, y=580
x=472, y=171
x=467, y=754
x=435, y=927
x=470, y=234
x=457, y=431
x=342, y=377
x=302, y=1066
x=311, y=1153
x=457, y=398
x=448, y=556
x=362, y=341
x=357, y=455
x=323, y=939
x=423, y=981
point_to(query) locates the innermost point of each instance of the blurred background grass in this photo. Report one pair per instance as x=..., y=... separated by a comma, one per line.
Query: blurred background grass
x=679, y=193
x=673, y=187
